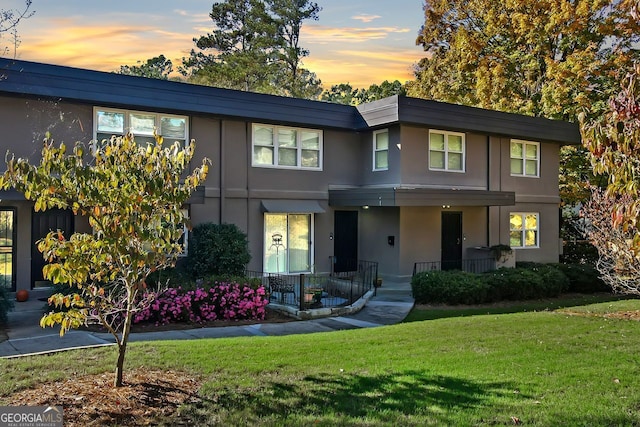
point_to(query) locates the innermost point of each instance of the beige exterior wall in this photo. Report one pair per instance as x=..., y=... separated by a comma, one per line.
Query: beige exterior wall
x=234, y=189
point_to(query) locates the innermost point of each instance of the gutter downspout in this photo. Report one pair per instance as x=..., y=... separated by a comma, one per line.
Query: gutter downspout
x=222, y=172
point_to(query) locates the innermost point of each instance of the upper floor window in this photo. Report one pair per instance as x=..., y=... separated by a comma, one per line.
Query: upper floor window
x=525, y=158
x=381, y=150
x=285, y=147
x=523, y=230
x=446, y=151
x=109, y=122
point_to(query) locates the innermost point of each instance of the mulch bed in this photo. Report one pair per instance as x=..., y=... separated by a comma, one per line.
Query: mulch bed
x=146, y=397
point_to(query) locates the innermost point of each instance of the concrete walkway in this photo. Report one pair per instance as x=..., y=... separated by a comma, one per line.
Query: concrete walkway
x=25, y=336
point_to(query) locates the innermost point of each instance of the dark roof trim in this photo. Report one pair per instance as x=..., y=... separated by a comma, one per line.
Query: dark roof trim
x=32, y=79
x=419, y=197
x=291, y=206
x=11, y=195
x=110, y=89
x=462, y=118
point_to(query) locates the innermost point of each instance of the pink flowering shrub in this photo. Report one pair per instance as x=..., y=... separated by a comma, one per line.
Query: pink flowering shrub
x=222, y=301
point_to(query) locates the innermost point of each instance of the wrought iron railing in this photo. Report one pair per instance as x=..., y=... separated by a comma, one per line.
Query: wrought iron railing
x=469, y=265
x=320, y=290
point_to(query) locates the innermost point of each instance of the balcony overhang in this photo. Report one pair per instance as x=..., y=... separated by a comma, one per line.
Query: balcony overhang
x=419, y=197
x=291, y=206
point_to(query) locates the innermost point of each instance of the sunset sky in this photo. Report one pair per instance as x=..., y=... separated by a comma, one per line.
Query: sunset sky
x=356, y=41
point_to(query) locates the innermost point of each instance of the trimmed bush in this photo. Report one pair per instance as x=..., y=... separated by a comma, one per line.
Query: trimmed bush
x=450, y=287
x=217, y=249
x=6, y=304
x=584, y=278
x=457, y=287
x=580, y=252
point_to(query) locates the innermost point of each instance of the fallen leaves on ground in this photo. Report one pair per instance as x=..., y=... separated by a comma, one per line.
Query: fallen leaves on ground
x=144, y=399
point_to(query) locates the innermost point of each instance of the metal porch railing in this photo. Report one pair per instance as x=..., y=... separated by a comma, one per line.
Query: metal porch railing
x=469, y=265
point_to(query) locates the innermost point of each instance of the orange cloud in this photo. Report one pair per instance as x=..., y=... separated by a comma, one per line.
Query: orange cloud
x=323, y=34
x=76, y=45
x=366, y=18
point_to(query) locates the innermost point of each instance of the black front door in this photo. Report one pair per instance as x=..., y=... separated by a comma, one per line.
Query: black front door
x=345, y=243
x=451, y=241
x=42, y=224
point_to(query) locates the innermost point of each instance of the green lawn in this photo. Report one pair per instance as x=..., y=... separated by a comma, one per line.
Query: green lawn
x=545, y=368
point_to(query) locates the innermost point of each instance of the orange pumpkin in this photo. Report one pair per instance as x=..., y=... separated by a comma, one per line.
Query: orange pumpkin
x=22, y=295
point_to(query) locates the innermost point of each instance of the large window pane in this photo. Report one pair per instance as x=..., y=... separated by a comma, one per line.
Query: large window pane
x=515, y=239
x=275, y=243
x=7, y=220
x=436, y=160
x=515, y=222
x=287, y=243
x=310, y=140
x=142, y=124
x=455, y=161
x=174, y=127
x=287, y=157
x=310, y=159
x=455, y=143
x=531, y=167
x=382, y=160
x=516, y=150
x=516, y=166
x=382, y=141
x=110, y=122
x=299, y=238
x=531, y=238
x=263, y=155
x=263, y=135
x=287, y=138
x=436, y=141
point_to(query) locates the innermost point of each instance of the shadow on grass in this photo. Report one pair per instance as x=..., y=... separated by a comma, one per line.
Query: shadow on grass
x=408, y=398
x=420, y=313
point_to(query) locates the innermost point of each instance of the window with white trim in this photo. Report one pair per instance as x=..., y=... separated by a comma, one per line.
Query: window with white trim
x=287, y=242
x=446, y=151
x=286, y=147
x=525, y=158
x=110, y=121
x=381, y=150
x=524, y=229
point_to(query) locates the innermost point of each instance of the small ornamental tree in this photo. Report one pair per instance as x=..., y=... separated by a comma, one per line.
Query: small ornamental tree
x=613, y=216
x=132, y=196
x=618, y=259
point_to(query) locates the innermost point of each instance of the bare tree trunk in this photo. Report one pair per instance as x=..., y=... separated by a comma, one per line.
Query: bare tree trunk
x=124, y=339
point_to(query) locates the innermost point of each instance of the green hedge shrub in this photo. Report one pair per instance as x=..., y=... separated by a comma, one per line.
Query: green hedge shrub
x=450, y=287
x=457, y=287
x=584, y=278
x=6, y=304
x=217, y=249
x=580, y=252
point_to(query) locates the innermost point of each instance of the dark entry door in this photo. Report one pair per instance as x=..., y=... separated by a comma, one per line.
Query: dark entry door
x=345, y=243
x=451, y=240
x=43, y=223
